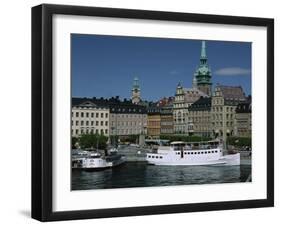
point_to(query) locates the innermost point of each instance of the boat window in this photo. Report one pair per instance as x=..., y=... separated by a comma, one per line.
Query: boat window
x=149, y=156
x=202, y=152
x=212, y=151
x=209, y=152
x=185, y=153
x=156, y=157
x=152, y=156
x=216, y=151
x=161, y=157
x=205, y=152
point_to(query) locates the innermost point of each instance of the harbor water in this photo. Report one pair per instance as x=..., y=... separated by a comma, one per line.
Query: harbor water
x=140, y=174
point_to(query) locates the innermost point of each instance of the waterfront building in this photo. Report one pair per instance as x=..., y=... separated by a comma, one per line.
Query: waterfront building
x=167, y=119
x=200, y=117
x=224, y=102
x=154, y=121
x=136, y=92
x=108, y=116
x=183, y=99
x=243, y=120
x=127, y=118
x=88, y=117
x=203, y=75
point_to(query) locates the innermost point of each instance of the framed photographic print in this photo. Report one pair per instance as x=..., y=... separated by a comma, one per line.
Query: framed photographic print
x=145, y=112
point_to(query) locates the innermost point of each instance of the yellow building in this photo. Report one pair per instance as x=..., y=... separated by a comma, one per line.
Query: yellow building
x=153, y=122
x=224, y=102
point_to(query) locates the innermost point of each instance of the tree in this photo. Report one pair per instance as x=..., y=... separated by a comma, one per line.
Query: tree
x=92, y=141
x=239, y=141
x=74, y=141
x=184, y=138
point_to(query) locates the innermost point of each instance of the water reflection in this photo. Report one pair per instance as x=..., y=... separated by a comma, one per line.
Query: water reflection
x=139, y=174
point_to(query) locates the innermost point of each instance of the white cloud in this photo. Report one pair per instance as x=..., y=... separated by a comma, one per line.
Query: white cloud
x=232, y=71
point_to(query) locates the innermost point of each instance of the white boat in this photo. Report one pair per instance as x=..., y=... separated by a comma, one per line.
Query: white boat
x=202, y=153
x=97, y=161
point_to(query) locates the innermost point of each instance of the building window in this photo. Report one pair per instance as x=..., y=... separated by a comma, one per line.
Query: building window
x=82, y=123
x=106, y=115
x=97, y=115
x=101, y=115
x=97, y=123
x=87, y=114
x=106, y=131
x=82, y=114
x=101, y=123
x=77, y=114
x=92, y=115
x=106, y=123
x=92, y=123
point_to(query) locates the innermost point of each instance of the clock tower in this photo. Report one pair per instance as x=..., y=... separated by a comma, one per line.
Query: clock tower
x=136, y=98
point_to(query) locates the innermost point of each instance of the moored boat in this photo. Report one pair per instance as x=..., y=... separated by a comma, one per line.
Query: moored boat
x=94, y=160
x=199, y=153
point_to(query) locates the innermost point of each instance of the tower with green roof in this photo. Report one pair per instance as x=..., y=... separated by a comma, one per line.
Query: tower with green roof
x=136, y=98
x=203, y=74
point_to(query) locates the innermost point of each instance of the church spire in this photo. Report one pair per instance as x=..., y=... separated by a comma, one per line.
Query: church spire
x=203, y=73
x=203, y=50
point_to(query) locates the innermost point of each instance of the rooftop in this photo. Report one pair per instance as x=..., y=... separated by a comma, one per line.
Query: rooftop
x=202, y=104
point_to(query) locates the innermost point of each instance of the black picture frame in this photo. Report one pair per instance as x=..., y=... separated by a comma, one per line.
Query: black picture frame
x=42, y=111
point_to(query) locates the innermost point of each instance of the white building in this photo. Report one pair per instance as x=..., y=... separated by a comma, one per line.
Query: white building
x=88, y=117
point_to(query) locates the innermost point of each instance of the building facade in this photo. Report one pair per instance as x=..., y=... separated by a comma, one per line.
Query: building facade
x=108, y=116
x=166, y=120
x=127, y=119
x=184, y=98
x=224, y=102
x=243, y=120
x=200, y=117
x=88, y=117
x=154, y=121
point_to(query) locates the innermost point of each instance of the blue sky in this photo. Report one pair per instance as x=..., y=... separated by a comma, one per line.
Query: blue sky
x=105, y=66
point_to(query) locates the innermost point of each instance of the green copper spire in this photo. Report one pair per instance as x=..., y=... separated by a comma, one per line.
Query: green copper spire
x=203, y=50
x=203, y=72
x=136, y=85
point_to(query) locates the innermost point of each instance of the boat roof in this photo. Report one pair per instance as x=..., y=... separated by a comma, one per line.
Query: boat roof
x=178, y=142
x=198, y=142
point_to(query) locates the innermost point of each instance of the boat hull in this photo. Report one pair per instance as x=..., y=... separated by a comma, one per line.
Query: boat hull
x=193, y=158
x=102, y=165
